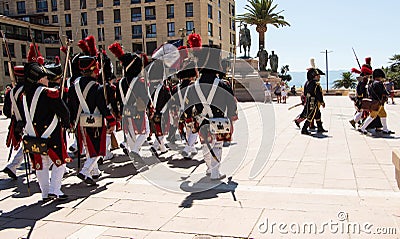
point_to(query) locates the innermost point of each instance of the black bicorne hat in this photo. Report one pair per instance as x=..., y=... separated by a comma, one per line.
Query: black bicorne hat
x=188, y=70
x=87, y=63
x=54, y=68
x=132, y=64
x=34, y=72
x=311, y=73
x=209, y=58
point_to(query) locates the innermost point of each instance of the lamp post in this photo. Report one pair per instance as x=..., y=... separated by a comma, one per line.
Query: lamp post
x=326, y=62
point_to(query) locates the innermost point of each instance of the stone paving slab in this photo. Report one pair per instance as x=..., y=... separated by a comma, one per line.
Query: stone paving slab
x=306, y=179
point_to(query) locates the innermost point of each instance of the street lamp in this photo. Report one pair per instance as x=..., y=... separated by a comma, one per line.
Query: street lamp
x=326, y=62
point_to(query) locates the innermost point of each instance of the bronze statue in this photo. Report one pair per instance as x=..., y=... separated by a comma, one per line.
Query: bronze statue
x=245, y=40
x=262, y=59
x=273, y=62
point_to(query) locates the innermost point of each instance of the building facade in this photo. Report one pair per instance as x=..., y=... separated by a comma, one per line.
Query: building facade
x=19, y=34
x=137, y=24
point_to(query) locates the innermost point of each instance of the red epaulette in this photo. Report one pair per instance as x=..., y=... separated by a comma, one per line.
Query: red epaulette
x=53, y=93
x=66, y=89
x=142, y=80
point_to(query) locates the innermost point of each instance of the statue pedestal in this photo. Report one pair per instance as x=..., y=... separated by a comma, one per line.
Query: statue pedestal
x=249, y=82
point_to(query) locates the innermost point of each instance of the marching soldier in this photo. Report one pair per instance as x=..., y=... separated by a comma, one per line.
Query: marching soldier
x=12, y=110
x=187, y=76
x=91, y=116
x=132, y=96
x=159, y=116
x=377, y=92
x=211, y=99
x=361, y=92
x=314, y=99
x=44, y=137
x=111, y=100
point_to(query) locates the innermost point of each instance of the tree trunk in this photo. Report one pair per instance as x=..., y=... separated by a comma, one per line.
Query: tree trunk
x=261, y=29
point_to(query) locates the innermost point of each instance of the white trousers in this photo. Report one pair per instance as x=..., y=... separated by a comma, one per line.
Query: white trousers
x=133, y=141
x=47, y=184
x=160, y=145
x=17, y=160
x=191, y=140
x=213, y=164
x=358, y=116
x=89, y=166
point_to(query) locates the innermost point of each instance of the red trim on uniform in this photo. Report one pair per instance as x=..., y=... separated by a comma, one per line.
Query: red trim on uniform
x=64, y=153
x=111, y=120
x=54, y=157
x=103, y=143
x=37, y=159
x=53, y=93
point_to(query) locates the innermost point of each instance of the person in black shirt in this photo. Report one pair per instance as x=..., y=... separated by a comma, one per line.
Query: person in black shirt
x=315, y=99
x=377, y=92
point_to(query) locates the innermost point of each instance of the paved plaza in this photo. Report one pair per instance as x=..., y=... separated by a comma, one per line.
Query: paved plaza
x=341, y=185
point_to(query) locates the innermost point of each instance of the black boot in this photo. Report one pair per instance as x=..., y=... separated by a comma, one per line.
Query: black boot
x=304, y=130
x=320, y=128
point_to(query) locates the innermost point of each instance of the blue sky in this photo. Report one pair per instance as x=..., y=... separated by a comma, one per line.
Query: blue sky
x=371, y=27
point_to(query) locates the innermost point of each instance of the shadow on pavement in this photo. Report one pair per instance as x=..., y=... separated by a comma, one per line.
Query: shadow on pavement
x=222, y=187
x=27, y=215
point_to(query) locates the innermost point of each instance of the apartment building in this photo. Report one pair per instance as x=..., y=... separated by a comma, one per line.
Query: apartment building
x=137, y=24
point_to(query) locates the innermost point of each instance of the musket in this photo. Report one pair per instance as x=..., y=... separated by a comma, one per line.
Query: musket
x=33, y=42
x=10, y=67
x=294, y=106
x=69, y=43
x=103, y=77
x=359, y=65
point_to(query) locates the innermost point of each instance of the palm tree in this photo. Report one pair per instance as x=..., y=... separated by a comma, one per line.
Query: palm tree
x=347, y=81
x=261, y=13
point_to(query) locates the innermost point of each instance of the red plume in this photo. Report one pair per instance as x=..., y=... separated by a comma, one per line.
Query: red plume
x=194, y=40
x=84, y=46
x=64, y=49
x=366, y=70
x=40, y=60
x=57, y=60
x=31, y=54
x=91, y=42
x=354, y=70
x=116, y=49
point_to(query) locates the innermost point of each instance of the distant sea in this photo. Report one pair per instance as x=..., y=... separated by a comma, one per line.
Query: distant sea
x=299, y=78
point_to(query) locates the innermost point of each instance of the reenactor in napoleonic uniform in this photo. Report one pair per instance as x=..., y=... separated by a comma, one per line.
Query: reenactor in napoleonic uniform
x=159, y=116
x=90, y=115
x=378, y=93
x=187, y=76
x=44, y=127
x=133, y=98
x=11, y=109
x=361, y=92
x=314, y=99
x=210, y=103
x=112, y=103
